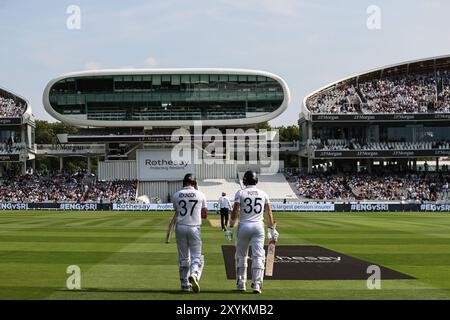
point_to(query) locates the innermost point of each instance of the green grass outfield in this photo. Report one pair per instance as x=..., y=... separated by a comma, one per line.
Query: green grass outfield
x=123, y=256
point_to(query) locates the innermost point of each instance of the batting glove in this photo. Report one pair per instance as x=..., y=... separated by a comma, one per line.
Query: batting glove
x=229, y=235
x=272, y=234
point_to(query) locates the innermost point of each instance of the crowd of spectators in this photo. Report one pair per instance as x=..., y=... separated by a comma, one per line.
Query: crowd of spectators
x=9, y=108
x=357, y=144
x=416, y=93
x=65, y=187
x=443, y=104
x=7, y=148
x=337, y=100
x=372, y=187
x=321, y=187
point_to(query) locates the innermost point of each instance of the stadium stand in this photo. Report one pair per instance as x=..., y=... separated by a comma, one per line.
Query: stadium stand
x=276, y=186
x=213, y=188
x=64, y=187
x=412, y=93
x=9, y=108
x=158, y=191
x=354, y=144
x=336, y=100
x=10, y=147
x=383, y=187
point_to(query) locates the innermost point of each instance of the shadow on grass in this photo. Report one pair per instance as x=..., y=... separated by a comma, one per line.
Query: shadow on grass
x=175, y=292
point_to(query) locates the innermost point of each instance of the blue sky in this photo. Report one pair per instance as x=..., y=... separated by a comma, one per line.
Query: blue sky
x=308, y=43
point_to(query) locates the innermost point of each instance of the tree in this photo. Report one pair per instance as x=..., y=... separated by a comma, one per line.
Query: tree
x=46, y=132
x=289, y=133
x=263, y=125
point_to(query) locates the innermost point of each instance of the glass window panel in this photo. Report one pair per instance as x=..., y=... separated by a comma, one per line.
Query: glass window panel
x=71, y=99
x=176, y=80
x=156, y=79
x=127, y=78
x=261, y=79
x=80, y=99
x=195, y=78
x=204, y=78
x=242, y=78
x=213, y=77
x=62, y=100
x=165, y=78
x=251, y=78
x=232, y=77
x=137, y=78
x=109, y=98
x=223, y=77
x=185, y=78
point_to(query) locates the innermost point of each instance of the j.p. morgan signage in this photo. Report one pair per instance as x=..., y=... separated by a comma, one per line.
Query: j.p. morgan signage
x=381, y=153
x=162, y=166
x=9, y=121
x=381, y=117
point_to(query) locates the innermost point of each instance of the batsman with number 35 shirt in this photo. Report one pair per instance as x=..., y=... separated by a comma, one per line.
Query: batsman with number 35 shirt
x=190, y=208
x=251, y=203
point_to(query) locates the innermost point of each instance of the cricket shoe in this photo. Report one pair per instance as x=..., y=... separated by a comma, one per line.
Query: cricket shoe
x=186, y=288
x=194, y=283
x=256, y=288
x=241, y=287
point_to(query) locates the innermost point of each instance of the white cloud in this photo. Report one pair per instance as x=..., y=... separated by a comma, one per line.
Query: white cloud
x=151, y=62
x=277, y=7
x=92, y=65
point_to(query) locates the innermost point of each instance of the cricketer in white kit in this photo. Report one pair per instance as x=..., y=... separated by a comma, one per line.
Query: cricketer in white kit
x=251, y=203
x=190, y=208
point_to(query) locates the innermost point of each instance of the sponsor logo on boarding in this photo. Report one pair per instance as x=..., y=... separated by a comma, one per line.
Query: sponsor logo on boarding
x=443, y=152
x=403, y=153
x=364, y=117
x=164, y=207
x=367, y=153
x=13, y=206
x=442, y=116
x=163, y=164
x=78, y=206
x=132, y=206
x=307, y=259
x=330, y=154
x=327, y=117
x=370, y=207
x=303, y=206
x=434, y=207
x=403, y=117
x=142, y=206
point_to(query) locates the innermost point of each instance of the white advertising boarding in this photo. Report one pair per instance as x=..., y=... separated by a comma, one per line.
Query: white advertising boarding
x=160, y=165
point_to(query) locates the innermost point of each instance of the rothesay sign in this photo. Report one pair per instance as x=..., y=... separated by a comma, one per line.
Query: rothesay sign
x=160, y=165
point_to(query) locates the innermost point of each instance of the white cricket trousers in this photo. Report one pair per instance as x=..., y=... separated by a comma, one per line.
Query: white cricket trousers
x=250, y=233
x=189, y=244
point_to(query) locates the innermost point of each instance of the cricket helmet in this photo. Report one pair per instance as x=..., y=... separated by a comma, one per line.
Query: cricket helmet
x=250, y=178
x=189, y=179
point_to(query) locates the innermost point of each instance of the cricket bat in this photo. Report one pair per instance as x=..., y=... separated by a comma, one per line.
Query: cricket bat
x=172, y=225
x=270, y=257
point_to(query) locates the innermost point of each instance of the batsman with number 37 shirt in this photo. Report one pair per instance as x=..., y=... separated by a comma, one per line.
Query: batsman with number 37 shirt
x=251, y=203
x=190, y=208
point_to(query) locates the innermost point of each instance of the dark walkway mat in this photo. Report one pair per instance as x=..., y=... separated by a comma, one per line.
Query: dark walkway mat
x=313, y=263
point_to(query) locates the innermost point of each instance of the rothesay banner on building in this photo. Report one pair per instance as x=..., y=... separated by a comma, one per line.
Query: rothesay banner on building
x=162, y=165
